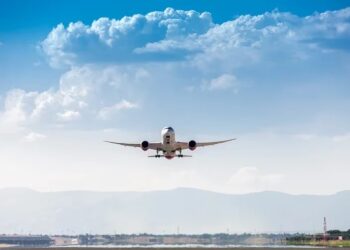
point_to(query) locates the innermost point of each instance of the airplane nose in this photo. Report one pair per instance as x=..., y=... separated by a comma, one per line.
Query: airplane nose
x=167, y=130
x=170, y=129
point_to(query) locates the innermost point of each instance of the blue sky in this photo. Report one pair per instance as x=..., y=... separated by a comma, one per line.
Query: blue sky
x=275, y=74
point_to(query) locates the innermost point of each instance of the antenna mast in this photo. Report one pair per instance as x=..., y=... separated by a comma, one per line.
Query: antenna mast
x=324, y=229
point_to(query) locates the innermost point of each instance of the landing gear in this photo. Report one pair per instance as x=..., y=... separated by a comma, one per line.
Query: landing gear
x=157, y=155
x=180, y=155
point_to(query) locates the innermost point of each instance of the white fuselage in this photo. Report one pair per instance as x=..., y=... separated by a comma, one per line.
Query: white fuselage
x=169, y=143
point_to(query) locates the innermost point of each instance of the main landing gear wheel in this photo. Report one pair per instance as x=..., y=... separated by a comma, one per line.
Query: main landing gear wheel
x=157, y=155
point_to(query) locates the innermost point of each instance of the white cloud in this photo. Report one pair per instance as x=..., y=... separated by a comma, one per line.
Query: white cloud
x=81, y=95
x=250, y=179
x=223, y=82
x=107, y=112
x=176, y=34
x=115, y=40
x=17, y=104
x=32, y=137
x=68, y=115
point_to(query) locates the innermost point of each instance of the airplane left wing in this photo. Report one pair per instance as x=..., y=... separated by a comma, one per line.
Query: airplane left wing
x=154, y=146
x=185, y=145
x=203, y=144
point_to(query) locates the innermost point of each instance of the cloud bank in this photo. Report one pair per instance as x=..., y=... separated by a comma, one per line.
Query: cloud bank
x=176, y=34
x=116, y=40
x=86, y=93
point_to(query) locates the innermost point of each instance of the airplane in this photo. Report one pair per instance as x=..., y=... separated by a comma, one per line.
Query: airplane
x=169, y=146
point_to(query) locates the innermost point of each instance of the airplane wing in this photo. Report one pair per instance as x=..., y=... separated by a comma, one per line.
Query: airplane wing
x=151, y=145
x=184, y=145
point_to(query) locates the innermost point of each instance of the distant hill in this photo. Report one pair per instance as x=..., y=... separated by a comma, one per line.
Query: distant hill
x=190, y=210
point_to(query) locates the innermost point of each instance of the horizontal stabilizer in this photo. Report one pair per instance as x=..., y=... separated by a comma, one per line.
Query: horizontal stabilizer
x=180, y=156
x=156, y=156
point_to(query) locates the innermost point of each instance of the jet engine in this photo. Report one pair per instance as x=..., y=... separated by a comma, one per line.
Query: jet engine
x=192, y=145
x=144, y=145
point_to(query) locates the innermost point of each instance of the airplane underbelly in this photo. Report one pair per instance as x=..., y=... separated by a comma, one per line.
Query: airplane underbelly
x=169, y=155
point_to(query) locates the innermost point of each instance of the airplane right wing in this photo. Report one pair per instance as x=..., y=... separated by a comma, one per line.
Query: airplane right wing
x=136, y=145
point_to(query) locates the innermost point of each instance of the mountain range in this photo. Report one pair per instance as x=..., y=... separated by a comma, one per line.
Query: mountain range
x=183, y=210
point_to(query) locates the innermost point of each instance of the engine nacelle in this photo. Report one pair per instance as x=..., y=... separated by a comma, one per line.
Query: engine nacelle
x=192, y=145
x=144, y=145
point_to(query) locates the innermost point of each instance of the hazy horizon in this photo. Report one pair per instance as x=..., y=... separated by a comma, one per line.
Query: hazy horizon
x=164, y=190
x=193, y=210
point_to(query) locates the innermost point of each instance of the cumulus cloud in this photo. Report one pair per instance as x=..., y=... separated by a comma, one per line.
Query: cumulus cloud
x=176, y=34
x=17, y=104
x=83, y=93
x=330, y=29
x=115, y=40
